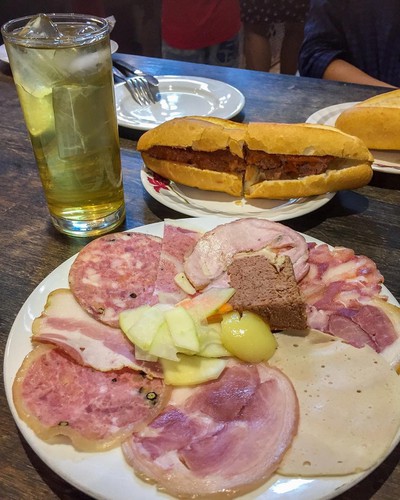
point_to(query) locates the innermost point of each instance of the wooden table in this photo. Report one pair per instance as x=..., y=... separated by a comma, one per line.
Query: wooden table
x=367, y=220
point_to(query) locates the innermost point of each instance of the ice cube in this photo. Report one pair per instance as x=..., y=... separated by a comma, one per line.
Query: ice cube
x=37, y=72
x=40, y=26
x=80, y=63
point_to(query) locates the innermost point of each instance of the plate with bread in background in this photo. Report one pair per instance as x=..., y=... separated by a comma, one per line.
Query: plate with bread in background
x=376, y=121
x=203, y=165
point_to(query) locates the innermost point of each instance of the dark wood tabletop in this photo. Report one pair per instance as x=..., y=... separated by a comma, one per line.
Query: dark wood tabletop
x=367, y=220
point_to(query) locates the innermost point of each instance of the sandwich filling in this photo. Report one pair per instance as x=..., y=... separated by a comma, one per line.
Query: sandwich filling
x=269, y=166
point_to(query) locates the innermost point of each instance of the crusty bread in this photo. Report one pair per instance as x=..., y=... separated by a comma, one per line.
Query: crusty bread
x=376, y=121
x=304, y=139
x=350, y=169
x=208, y=180
x=204, y=134
x=312, y=185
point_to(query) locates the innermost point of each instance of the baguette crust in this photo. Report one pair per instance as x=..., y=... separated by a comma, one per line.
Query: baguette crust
x=332, y=180
x=202, y=134
x=351, y=168
x=376, y=121
x=305, y=139
x=188, y=175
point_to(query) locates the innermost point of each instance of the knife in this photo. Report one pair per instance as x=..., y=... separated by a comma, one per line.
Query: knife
x=127, y=67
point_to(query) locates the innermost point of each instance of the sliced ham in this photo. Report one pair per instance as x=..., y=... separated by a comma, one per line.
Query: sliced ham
x=115, y=272
x=338, y=276
x=91, y=343
x=227, y=436
x=344, y=328
x=96, y=410
x=342, y=294
x=215, y=249
x=177, y=243
x=376, y=324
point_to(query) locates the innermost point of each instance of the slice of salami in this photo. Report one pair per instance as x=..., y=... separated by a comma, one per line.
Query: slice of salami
x=114, y=273
x=96, y=410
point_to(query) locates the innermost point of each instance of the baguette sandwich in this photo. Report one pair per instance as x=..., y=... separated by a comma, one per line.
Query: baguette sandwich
x=376, y=121
x=256, y=160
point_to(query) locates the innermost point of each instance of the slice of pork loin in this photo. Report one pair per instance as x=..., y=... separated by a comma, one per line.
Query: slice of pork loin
x=225, y=436
x=216, y=249
x=96, y=410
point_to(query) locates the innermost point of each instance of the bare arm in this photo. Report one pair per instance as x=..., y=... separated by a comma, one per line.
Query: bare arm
x=343, y=71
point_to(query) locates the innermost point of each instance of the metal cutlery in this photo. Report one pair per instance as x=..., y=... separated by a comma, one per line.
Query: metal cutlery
x=132, y=70
x=138, y=87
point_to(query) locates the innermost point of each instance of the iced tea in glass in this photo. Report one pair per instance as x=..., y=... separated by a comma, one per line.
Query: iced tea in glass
x=62, y=68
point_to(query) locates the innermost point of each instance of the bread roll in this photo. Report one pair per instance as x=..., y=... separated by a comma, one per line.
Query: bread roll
x=256, y=160
x=376, y=121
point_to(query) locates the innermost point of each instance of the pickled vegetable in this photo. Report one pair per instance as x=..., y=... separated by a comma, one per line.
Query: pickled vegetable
x=247, y=336
x=192, y=370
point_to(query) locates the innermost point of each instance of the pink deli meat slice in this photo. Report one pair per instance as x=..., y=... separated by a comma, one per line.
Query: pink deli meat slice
x=96, y=410
x=216, y=249
x=342, y=292
x=177, y=243
x=64, y=323
x=115, y=272
x=339, y=276
x=226, y=436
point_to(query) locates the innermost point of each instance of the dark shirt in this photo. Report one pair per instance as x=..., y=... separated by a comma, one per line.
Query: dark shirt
x=365, y=33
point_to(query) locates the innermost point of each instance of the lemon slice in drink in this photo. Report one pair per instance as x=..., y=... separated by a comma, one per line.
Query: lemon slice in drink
x=38, y=109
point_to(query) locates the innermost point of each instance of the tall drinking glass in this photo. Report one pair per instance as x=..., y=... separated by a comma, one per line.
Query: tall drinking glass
x=62, y=68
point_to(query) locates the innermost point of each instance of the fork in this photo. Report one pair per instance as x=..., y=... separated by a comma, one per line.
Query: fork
x=131, y=70
x=138, y=87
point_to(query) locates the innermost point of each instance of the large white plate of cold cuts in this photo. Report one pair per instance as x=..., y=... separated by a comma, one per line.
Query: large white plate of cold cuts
x=106, y=475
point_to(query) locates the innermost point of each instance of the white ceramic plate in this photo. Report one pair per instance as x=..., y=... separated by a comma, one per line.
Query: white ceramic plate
x=195, y=202
x=385, y=161
x=114, y=46
x=4, y=56
x=106, y=476
x=179, y=96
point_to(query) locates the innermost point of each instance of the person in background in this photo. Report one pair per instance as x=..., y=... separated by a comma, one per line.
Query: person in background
x=353, y=41
x=258, y=17
x=147, y=26
x=137, y=27
x=201, y=31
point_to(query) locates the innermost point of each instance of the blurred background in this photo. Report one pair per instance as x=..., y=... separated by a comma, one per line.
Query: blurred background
x=138, y=26
x=138, y=22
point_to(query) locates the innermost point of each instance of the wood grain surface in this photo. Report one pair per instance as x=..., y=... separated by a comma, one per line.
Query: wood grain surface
x=367, y=220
